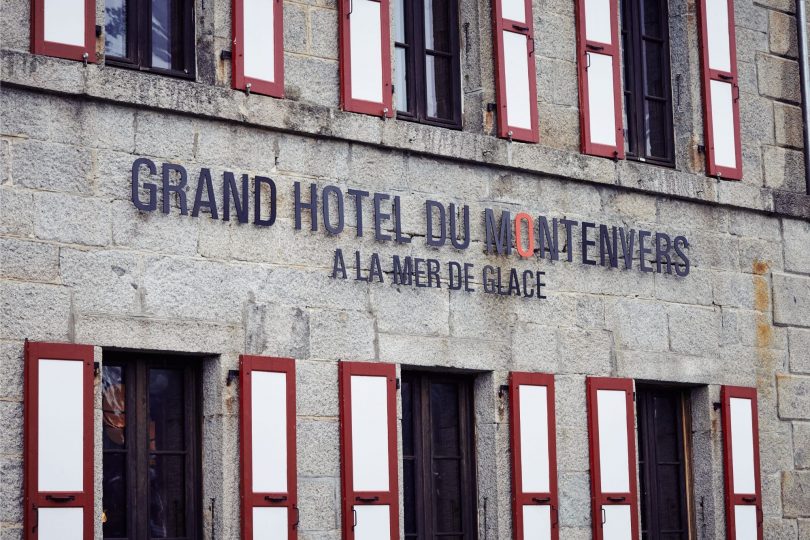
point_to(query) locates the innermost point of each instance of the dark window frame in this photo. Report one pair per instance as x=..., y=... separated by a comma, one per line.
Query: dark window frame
x=424, y=504
x=648, y=443
x=139, y=41
x=136, y=369
x=635, y=77
x=415, y=65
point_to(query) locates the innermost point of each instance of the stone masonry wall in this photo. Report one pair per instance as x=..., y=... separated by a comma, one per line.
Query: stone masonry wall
x=79, y=263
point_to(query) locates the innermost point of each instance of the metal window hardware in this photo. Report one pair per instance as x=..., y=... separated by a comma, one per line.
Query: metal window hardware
x=233, y=374
x=224, y=55
x=503, y=390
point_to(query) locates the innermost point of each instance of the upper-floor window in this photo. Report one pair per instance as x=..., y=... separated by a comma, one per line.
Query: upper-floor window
x=427, y=84
x=647, y=92
x=154, y=35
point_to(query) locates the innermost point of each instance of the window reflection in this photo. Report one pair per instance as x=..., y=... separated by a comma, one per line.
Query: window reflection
x=115, y=28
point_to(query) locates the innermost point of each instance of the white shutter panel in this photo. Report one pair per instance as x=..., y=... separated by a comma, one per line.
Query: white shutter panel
x=369, y=451
x=258, y=46
x=58, y=441
x=517, y=84
x=741, y=453
x=267, y=429
x=64, y=28
x=600, y=100
x=534, y=456
x=611, y=428
x=365, y=57
x=720, y=89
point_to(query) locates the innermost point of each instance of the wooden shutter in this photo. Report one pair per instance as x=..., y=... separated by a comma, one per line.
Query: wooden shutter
x=611, y=430
x=64, y=28
x=517, y=85
x=721, y=92
x=368, y=441
x=741, y=460
x=534, y=456
x=365, y=57
x=600, y=95
x=258, y=46
x=267, y=428
x=58, y=439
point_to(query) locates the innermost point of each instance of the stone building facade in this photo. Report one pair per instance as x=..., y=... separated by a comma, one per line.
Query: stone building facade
x=82, y=264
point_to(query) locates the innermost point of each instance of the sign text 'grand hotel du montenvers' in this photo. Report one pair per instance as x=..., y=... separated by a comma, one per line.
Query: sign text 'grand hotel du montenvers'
x=380, y=215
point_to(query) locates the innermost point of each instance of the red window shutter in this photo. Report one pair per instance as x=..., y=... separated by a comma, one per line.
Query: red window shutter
x=58, y=439
x=368, y=442
x=600, y=94
x=258, y=46
x=365, y=57
x=611, y=430
x=514, y=58
x=64, y=28
x=721, y=92
x=267, y=440
x=534, y=456
x=741, y=462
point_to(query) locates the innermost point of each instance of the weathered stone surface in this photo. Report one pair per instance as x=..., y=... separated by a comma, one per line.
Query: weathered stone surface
x=788, y=125
x=791, y=299
x=796, y=493
x=638, y=325
x=797, y=238
x=338, y=335
x=778, y=78
x=801, y=444
x=36, y=312
x=784, y=168
x=72, y=219
x=799, y=347
x=29, y=261
x=782, y=34
x=794, y=396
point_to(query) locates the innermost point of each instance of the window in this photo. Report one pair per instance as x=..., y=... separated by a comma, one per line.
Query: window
x=647, y=93
x=152, y=35
x=150, y=446
x=427, y=86
x=662, y=463
x=437, y=457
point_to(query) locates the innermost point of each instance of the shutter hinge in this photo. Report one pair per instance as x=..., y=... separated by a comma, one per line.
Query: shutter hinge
x=98, y=30
x=398, y=384
x=717, y=405
x=224, y=55
x=503, y=390
x=96, y=368
x=233, y=374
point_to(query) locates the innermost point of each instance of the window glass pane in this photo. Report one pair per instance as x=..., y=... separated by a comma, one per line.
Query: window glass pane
x=437, y=25
x=114, y=499
x=652, y=17
x=444, y=419
x=166, y=409
x=401, y=78
x=167, y=34
x=655, y=69
x=167, y=506
x=409, y=485
x=447, y=486
x=115, y=28
x=399, y=21
x=655, y=120
x=113, y=406
x=439, y=87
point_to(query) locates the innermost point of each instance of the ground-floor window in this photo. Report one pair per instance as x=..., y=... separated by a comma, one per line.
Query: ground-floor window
x=151, y=447
x=437, y=448
x=662, y=460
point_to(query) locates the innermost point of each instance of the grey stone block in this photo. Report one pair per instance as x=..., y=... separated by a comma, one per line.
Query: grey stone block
x=791, y=299
x=336, y=335
x=778, y=78
x=401, y=310
x=797, y=238
x=781, y=529
x=638, y=325
x=782, y=34
x=311, y=80
x=11, y=370
x=799, y=347
x=35, y=312
x=171, y=137
x=319, y=503
x=296, y=28
x=794, y=396
x=11, y=493
x=53, y=167
x=11, y=438
x=796, y=493
x=324, y=26
x=784, y=168
x=156, y=232
x=17, y=217
x=106, y=282
x=534, y=348
x=29, y=261
x=319, y=444
x=801, y=444
x=585, y=351
x=788, y=125
x=694, y=289
x=72, y=219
